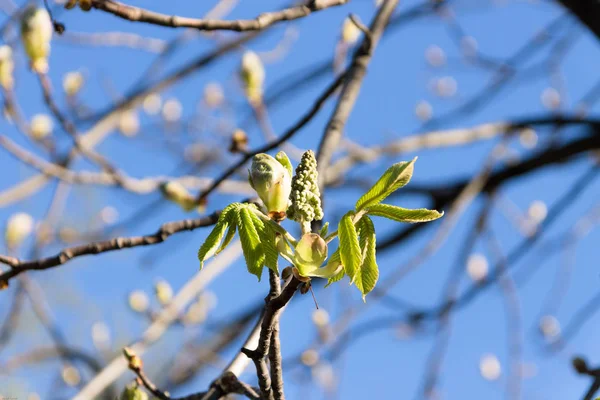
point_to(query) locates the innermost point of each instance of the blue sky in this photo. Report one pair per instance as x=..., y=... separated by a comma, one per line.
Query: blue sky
x=92, y=289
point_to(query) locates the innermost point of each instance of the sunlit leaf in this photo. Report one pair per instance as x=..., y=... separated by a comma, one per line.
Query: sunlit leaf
x=393, y=179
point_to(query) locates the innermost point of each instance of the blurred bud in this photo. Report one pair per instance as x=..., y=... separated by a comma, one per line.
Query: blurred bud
x=213, y=95
x=435, y=56
x=172, y=110
x=489, y=367
x=320, y=318
x=36, y=34
x=138, y=301
x=549, y=327
x=477, y=267
x=68, y=234
x=152, y=104
x=424, y=111
x=310, y=357
x=72, y=83
x=537, y=211
x=18, y=227
x=163, y=291
x=445, y=86
x=528, y=138
x=133, y=392
x=196, y=314
x=33, y=396
x=350, y=32
x=177, y=193
x=134, y=361
x=44, y=233
x=580, y=365
x=7, y=66
x=324, y=374
x=129, y=123
x=310, y=253
x=41, y=126
x=109, y=215
x=239, y=142
x=70, y=375
x=551, y=99
x=272, y=182
x=252, y=73
x=70, y=4
x=85, y=5
x=101, y=335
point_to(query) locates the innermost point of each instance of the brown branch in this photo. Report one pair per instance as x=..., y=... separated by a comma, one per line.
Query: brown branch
x=275, y=345
x=349, y=94
x=274, y=305
x=282, y=139
x=166, y=230
x=136, y=14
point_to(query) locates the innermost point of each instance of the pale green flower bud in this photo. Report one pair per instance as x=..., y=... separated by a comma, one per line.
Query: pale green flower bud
x=177, y=193
x=133, y=392
x=350, y=32
x=73, y=82
x=36, y=33
x=6, y=67
x=310, y=253
x=163, y=291
x=272, y=182
x=305, y=196
x=252, y=73
x=41, y=126
x=18, y=227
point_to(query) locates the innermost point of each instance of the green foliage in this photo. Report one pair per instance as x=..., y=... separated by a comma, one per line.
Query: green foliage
x=264, y=240
x=403, y=214
x=349, y=246
x=393, y=179
x=251, y=245
x=210, y=245
x=367, y=276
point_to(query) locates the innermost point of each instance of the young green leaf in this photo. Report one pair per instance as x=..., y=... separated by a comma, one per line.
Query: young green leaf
x=324, y=230
x=210, y=245
x=393, y=179
x=349, y=246
x=369, y=271
x=267, y=240
x=335, y=260
x=251, y=246
x=285, y=161
x=403, y=214
x=232, y=221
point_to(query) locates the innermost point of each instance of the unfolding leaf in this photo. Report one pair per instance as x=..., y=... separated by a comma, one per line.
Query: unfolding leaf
x=285, y=161
x=267, y=239
x=335, y=261
x=324, y=230
x=251, y=246
x=349, y=246
x=210, y=245
x=232, y=221
x=393, y=179
x=368, y=274
x=403, y=214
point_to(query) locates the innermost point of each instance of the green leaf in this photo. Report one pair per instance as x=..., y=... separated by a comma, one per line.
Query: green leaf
x=349, y=246
x=210, y=245
x=251, y=246
x=369, y=271
x=232, y=221
x=285, y=161
x=335, y=260
x=324, y=230
x=393, y=179
x=267, y=240
x=403, y=214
